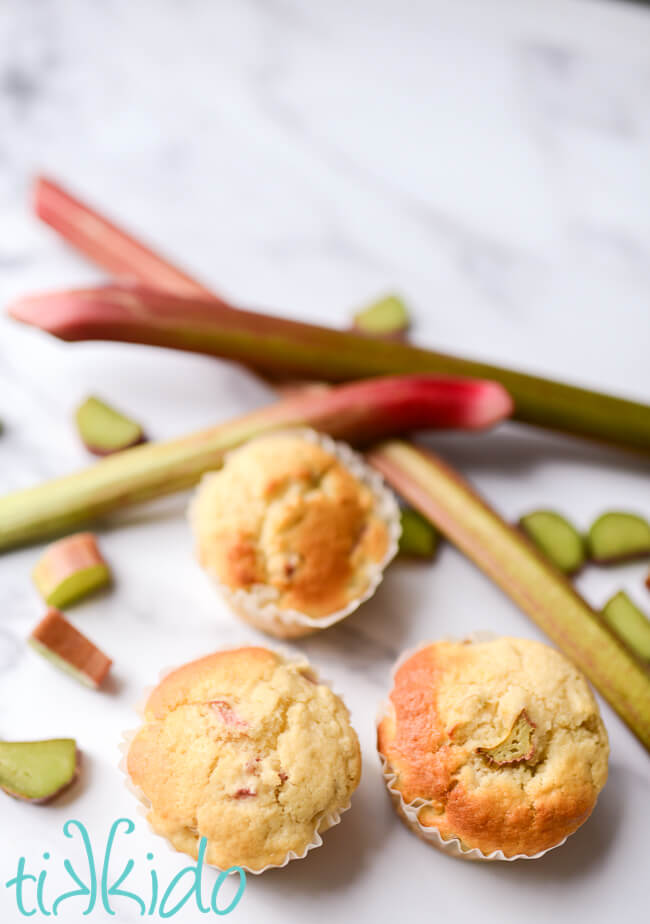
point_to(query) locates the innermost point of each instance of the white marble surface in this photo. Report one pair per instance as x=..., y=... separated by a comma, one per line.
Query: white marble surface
x=487, y=160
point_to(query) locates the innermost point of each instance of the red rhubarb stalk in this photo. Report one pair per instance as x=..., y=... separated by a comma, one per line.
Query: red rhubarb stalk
x=538, y=401
x=105, y=244
x=359, y=413
x=276, y=345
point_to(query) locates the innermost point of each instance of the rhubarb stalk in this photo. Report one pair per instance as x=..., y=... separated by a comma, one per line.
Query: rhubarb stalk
x=105, y=244
x=360, y=413
x=311, y=352
x=513, y=563
x=276, y=345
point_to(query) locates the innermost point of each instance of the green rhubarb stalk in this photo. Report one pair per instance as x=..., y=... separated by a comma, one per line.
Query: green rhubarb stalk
x=360, y=412
x=275, y=345
x=630, y=623
x=513, y=563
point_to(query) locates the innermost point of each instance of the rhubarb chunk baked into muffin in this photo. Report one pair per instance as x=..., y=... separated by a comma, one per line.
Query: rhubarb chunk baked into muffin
x=492, y=746
x=296, y=530
x=247, y=750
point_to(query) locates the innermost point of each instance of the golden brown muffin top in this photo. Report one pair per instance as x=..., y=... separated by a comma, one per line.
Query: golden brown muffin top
x=285, y=513
x=248, y=751
x=502, y=739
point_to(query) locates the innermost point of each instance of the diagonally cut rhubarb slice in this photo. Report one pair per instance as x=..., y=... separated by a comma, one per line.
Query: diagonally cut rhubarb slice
x=387, y=317
x=359, y=413
x=104, y=430
x=618, y=536
x=275, y=345
x=513, y=563
x=419, y=538
x=59, y=642
x=70, y=569
x=630, y=623
x=558, y=539
x=38, y=771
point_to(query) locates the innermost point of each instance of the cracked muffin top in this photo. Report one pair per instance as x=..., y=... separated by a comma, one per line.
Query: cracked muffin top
x=285, y=514
x=502, y=741
x=247, y=750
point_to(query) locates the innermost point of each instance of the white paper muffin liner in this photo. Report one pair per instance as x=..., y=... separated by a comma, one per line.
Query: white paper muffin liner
x=327, y=821
x=257, y=606
x=409, y=811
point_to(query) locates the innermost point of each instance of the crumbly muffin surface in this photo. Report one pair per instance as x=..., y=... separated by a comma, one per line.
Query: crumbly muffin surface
x=452, y=703
x=246, y=750
x=284, y=513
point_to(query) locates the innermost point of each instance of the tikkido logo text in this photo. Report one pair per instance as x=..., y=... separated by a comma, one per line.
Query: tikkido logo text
x=95, y=888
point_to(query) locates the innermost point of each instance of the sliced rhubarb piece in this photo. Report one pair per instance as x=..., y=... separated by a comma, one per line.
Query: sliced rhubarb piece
x=104, y=430
x=38, y=771
x=359, y=413
x=627, y=621
x=228, y=715
x=275, y=345
x=506, y=556
x=516, y=748
x=419, y=538
x=556, y=538
x=70, y=569
x=58, y=641
x=617, y=536
x=387, y=317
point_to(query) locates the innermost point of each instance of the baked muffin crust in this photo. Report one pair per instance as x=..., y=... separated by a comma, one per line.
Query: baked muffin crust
x=246, y=750
x=452, y=702
x=284, y=513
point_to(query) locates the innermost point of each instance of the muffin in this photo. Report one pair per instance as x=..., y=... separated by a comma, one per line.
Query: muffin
x=492, y=750
x=295, y=530
x=247, y=750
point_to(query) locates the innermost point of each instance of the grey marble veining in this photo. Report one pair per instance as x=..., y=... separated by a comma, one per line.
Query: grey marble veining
x=487, y=161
